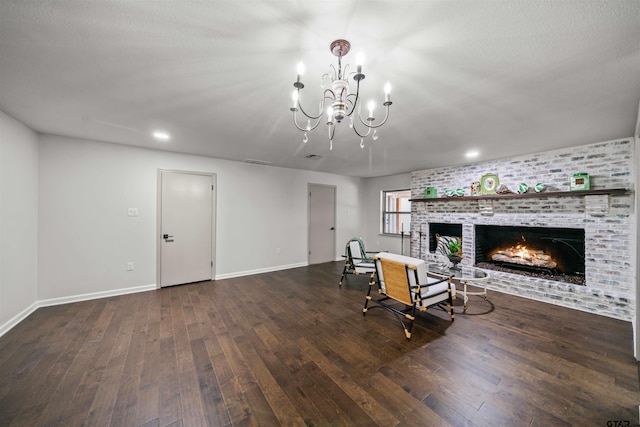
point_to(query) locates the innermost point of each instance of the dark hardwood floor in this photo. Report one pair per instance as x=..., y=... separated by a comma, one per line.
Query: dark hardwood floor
x=291, y=348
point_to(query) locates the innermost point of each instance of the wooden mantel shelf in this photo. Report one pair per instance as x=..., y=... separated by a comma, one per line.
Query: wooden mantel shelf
x=528, y=195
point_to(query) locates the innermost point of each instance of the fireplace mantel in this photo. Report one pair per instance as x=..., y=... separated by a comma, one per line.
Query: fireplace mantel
x=610, y=191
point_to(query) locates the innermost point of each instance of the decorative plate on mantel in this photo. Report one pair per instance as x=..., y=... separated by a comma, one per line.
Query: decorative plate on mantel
x=488, y=183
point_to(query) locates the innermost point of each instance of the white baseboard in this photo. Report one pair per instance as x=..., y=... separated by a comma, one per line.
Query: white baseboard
x=95, y=295
x=260, y=270
x=7, y=326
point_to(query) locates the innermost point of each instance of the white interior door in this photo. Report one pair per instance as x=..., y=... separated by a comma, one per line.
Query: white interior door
x=186, y=227
x=322, y=223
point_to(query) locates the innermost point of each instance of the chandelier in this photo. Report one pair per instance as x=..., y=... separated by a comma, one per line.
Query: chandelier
x=343, y=102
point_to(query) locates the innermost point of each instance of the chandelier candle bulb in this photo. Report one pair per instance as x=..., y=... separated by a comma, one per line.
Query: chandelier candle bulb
x=298, y=84
x=294, y=96
x=329, y=116
x=371, y=106
x=387, y=92
x=359, y=61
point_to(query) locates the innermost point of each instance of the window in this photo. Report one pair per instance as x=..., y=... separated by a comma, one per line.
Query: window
x=396, y=212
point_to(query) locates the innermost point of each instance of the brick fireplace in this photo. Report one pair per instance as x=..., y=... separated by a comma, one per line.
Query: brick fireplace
x=605, y=220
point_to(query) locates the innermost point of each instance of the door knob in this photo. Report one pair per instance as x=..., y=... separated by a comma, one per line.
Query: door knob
x=332, y=228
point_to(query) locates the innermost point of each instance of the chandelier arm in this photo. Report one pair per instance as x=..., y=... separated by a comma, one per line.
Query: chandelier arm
x=329, y=94
x=309, y=115
x=386, y=116
x=325, y=97
x=355, y=129
x=335, y=72
x=315, y=125
x=295, y=122
x=352, y=103
x=355, y=101
x=304, y=129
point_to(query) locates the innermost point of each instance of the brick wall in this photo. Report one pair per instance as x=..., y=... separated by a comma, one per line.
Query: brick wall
x=608, y=221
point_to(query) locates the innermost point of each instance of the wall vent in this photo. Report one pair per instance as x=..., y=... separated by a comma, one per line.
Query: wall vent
x=257, y=162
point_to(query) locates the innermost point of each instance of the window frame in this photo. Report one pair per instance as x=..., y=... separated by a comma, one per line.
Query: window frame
x=384, y=225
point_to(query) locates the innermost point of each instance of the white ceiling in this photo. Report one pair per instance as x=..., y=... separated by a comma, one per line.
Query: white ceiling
x=502, y=77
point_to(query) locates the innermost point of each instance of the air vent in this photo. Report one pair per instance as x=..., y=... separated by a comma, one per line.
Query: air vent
x=313, y=156
x=257, y=162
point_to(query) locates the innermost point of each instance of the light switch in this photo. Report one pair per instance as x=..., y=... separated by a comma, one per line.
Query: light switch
x=133, y=211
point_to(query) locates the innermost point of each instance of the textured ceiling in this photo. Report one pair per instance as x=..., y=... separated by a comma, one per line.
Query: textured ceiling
x=501, y=77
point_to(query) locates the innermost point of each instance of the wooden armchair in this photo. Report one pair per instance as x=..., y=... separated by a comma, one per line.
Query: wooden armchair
x=405, y=287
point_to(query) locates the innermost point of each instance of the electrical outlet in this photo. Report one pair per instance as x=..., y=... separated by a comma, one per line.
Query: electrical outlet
x=132, y=211
x=130, y=266
x=277, y=251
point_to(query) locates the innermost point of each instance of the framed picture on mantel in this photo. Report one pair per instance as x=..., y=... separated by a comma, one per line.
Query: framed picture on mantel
x=488, y=183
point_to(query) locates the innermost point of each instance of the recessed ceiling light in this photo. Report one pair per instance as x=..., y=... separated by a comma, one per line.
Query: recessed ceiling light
x=161, y=135
x=472, y=153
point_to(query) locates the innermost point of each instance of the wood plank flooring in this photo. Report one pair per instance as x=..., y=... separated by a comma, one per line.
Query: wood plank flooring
x=291, y=348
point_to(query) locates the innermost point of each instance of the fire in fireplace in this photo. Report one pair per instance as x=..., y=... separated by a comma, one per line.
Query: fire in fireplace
x=521, y=254
x=551, y=253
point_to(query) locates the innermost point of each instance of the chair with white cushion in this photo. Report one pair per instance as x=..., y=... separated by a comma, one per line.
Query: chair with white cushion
x=402, y=279
x=356, y=260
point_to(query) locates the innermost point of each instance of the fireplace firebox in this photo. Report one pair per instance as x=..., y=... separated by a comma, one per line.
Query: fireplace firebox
x=550, y=253
x=442, y=229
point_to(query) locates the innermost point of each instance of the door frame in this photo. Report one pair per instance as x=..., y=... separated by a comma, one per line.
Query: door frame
x=335, y=217
x=159, y=219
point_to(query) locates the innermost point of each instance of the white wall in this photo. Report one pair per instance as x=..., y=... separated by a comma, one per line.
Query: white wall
x=18, y=221
x=86, y=237
x=636, y=338
x=372, y=189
